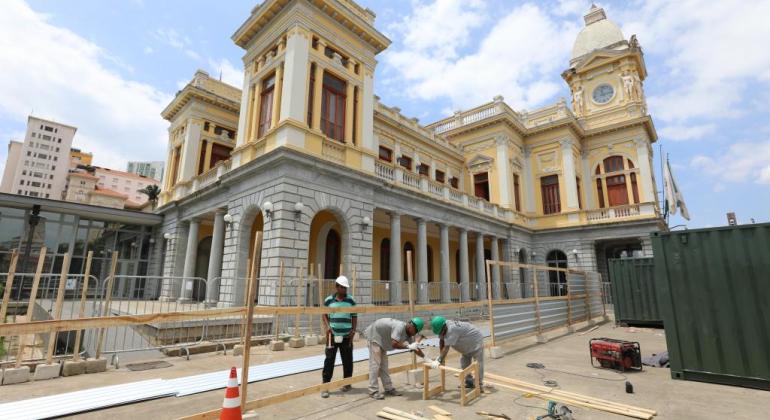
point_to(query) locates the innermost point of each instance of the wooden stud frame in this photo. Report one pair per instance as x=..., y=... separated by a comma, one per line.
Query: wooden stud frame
x=465, y=395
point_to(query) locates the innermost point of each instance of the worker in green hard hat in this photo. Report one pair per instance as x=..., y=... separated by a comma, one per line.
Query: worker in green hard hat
x=465, y=338
x=387, y=334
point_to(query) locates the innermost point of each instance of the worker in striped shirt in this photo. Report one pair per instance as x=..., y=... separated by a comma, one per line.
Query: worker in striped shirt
x=340, y=329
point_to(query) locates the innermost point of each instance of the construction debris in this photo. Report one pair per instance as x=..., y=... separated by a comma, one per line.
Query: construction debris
x=392, y=413
x=492, y=415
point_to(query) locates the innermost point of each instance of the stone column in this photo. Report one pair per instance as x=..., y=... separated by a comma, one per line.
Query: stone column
x=647, y=190
x=422, y=261
x=570, y=182
x=190, y=257
x=188, y=167
x=349, y=105
x=277, y=91
x=446, y=292
x=396, y=276
x=317, y=94
x=588, y=185
x=247, y=97
x=503, y=172
x=481, y=269
x=464, y=271
x=529, y=183
x=368, y=139
x=494, y=243
x=295, y=73
x=215, y=258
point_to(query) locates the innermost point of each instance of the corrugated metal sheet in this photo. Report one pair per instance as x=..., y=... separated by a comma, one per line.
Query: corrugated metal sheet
x=89, y=399
x=633, y=291
x=713, y=287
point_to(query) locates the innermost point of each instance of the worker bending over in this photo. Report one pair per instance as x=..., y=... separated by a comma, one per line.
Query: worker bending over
x=383, y=335
x=465, y=338
x=340, y=329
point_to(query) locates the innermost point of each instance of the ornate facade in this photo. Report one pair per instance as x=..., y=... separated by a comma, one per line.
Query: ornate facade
x=306, y=153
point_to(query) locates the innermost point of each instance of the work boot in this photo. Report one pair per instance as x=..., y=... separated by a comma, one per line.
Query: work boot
x=325, y=394
x=393, y=393
x=346, y=388
x=376, y=396
x=469, y=382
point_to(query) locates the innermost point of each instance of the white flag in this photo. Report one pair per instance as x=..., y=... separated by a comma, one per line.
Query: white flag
x=673, y=194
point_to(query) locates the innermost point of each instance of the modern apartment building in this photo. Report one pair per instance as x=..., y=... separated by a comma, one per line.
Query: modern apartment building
x=38, y=168
x=149, y=169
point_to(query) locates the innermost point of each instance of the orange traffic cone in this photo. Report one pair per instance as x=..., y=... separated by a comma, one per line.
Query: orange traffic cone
x=231, y=406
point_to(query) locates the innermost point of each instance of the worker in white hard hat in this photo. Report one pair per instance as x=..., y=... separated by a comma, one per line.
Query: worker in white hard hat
x=340, y=329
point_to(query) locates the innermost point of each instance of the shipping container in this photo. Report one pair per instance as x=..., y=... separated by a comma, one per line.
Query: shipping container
x=633, y=291
x=713, y=289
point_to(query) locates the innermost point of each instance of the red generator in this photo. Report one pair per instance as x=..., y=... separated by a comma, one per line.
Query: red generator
x=615, y=354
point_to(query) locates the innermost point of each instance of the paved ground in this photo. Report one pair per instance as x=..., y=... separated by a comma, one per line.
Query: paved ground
x=569, y=353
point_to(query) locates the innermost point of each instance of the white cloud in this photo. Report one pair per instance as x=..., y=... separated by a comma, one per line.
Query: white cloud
x=741, y=162
x=686, y=132
x=148, y=50
x=117, y=119
x=230, y=74
x=711, y=50
x=506, y=61
x=174, y=39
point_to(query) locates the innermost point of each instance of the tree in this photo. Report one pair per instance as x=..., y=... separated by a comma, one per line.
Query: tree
x=152, y=192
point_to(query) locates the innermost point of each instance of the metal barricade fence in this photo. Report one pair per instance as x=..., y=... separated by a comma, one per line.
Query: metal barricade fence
x=23, y=307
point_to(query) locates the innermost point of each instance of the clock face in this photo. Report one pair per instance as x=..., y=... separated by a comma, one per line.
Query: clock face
x=603, y=93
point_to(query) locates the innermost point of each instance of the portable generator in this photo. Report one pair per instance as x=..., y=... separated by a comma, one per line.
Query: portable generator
x=615, y=354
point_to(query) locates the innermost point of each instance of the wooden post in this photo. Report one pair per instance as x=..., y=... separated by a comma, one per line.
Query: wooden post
x=587, y=300
x=65, y=268
x=249, y=319
x=537, y=301
x=321, y=321
x=277, y=317
x=31, y=303
x=489, y=300
x=569, y=302
x=300, y=284
x=411, y=297
x=82, y=310
x=106, y=309
x=9, y=285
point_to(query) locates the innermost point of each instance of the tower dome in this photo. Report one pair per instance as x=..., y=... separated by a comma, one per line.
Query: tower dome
x=599, y=32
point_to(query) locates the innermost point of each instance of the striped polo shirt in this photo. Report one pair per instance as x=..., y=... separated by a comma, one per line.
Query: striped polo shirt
x=340, y=322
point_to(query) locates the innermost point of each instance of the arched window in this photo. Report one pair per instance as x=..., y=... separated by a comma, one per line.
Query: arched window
x=408, y=247
x=615, y=178
x=523, y=278
x=557, y=279
x=457, y=266
x=385, y=259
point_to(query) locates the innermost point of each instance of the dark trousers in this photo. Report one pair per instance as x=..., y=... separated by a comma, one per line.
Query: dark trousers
x=346, y=353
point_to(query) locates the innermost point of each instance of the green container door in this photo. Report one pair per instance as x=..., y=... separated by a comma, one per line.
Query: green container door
x=714, y=294
x=633, y=291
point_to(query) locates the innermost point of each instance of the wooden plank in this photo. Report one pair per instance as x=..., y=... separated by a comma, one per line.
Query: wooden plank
x=82, y=310
x=249, y=320
x=403, y=414
x=441, y=417
x=31, y=303
x=105, y=311
x=9, y=284
x=299, y=286
x=489, y=300
x=439, y=410
x=298, y=393
x=390, y=416
x=65, y=269
x=277, y=317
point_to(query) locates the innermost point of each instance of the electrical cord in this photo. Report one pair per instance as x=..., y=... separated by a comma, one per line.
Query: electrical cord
x=539, y=366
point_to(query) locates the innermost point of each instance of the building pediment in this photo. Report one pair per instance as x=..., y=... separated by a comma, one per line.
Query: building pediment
x=480, y=163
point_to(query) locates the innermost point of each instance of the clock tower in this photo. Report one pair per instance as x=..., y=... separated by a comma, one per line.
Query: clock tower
x=606, y=73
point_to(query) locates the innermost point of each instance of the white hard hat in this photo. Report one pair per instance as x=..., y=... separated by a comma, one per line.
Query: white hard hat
x=343, y=281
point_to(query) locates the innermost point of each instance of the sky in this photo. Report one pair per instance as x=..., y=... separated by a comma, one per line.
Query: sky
x=109, y=68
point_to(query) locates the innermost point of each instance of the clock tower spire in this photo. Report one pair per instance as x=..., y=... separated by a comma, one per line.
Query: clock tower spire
x=606, y=73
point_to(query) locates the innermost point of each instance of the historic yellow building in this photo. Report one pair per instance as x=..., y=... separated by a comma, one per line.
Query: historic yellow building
x=306, y=153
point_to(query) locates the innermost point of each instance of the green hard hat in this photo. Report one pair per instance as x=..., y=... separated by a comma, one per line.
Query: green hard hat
x=437, y=323
x=418, y=323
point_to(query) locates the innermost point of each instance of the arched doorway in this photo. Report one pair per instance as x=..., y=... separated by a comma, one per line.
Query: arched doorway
x=557, y=279
x=523, y=273
x=406, y=260
x=327, y=237
x=201, y=269
x=251, y=223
